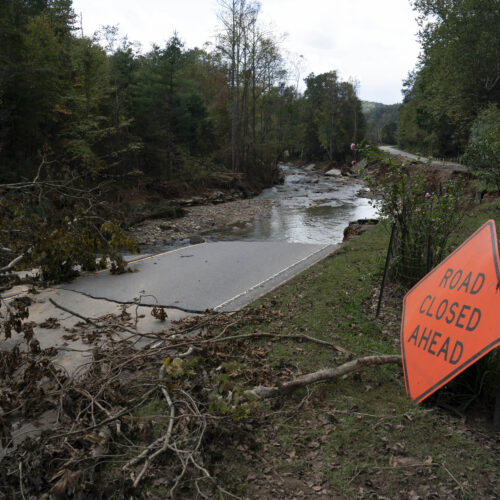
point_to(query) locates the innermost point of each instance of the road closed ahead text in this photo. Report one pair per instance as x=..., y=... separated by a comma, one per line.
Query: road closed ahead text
x=450, y=318
x=452, y=313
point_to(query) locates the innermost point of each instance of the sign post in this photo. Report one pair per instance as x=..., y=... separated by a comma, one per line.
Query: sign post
x=451, y=318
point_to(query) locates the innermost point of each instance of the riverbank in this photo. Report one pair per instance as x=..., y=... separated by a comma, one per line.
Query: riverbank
x=308, y=207
x=199, y=220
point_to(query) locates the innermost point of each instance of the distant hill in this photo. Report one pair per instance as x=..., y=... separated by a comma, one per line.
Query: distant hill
x=381, y=122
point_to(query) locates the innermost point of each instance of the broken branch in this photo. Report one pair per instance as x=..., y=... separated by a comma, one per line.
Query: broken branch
x=163, y=440
x=11, y=264
x=263, y=392
x=73, y=313
x=263, y=335
x=93, y=323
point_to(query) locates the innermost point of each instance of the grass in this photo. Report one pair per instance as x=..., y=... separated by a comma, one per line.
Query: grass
x=360, y=436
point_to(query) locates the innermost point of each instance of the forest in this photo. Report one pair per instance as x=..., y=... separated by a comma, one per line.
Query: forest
x=85, y=120
x=88, y=123
x=99, y=106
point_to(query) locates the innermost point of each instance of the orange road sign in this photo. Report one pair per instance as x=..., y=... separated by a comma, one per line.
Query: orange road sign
x=451, y=317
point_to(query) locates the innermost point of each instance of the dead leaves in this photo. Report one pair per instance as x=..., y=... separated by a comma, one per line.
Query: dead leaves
x=9, y=362
x=50, y=323
x=159, y=313
x=34, y=346
x=174, y=367
x=66, y=485
x=28, y=331
x=17, y=311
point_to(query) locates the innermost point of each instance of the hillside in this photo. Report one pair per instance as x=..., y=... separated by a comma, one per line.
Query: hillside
x=381, y=122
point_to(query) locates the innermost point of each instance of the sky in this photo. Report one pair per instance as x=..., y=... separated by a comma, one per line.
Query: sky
x=373, y=42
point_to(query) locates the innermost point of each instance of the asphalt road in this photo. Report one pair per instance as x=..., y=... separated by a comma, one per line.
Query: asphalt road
x=448, y=165
x=223, y=276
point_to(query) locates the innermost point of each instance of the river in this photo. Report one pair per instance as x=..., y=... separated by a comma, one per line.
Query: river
x=308, y=208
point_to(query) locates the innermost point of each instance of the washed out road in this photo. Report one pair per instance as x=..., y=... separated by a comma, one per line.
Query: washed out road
x=223, y=276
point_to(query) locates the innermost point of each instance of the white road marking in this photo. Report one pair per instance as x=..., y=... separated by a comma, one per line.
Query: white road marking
x=236, y=297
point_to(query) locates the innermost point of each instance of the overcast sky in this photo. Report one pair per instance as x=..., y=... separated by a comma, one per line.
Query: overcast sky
x=371, y=41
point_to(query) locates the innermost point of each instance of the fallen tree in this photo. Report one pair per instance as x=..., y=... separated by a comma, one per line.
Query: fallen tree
x=57, y=222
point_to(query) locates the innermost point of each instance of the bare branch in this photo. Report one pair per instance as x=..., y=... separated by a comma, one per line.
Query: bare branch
x=163, y=440
x=263, y=335
x=11, y=264
x=73, y=313
x=263, y=392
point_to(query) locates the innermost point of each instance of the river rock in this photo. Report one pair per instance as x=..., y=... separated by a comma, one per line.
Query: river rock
x=217, y=197
x=310, y=167
x=334, y=172
x=195, y=239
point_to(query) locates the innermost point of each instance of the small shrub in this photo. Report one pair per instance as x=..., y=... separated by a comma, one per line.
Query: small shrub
x=423, y=212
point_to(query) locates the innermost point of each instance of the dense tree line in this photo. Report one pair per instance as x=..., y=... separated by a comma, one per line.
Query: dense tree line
x=98, y=106
x=457, y=77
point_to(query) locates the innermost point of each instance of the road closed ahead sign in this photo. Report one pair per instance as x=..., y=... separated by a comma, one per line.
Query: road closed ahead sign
x=451, y=318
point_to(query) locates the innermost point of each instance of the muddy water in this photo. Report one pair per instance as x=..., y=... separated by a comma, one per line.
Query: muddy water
x=308, y=208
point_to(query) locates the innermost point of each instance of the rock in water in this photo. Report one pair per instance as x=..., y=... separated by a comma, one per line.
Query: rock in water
x=333, y=172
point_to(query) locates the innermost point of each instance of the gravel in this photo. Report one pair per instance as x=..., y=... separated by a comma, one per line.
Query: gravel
x=201, y=219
